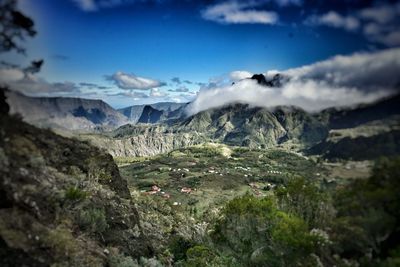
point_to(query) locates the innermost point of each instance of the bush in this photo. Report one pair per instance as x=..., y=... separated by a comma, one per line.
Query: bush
x=305, y=200
x=257, y=233
x=75, y=194
x=121, y=261
x=179, y=246
x=92, y=220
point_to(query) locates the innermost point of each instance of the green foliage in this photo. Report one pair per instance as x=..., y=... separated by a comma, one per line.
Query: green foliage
x=178, y=246
x=92, y=220
x=369, y=215
x=306, y=200
x=256, y=232
x=120, y=260
x=75, y=194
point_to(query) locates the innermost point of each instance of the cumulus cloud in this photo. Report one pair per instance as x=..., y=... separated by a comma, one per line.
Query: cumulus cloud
x=339, y=81
x=239, y=75
x=381, y=14
x=235, y=12
x=30, y=84
x=379, y=24
x=335, y=20
x=133, y=82
x=155, y=92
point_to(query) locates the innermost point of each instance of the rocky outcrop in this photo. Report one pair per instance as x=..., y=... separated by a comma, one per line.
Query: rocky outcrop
x=150, y=115
x=134, y=112
x=62, y=202
x=146, y=144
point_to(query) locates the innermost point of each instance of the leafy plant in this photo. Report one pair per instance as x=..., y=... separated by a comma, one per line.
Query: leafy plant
x=75, y=194
x=93, y=220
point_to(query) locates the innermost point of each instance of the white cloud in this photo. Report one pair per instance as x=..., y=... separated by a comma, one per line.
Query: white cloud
x=381, y=14
x=339, y=81
x=11, y=75
x=379, y=24
x=155, y=92
x=132, y=82
x=333, y=19
x=30, y=84
x=240, y=75
x=234, y=12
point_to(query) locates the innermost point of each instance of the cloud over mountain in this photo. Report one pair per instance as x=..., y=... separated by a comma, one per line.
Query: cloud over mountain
x=339, y=81
x=30, y=84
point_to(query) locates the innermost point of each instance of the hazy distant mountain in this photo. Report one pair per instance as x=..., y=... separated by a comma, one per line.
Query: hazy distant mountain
x=65, y=113
x=134, y=112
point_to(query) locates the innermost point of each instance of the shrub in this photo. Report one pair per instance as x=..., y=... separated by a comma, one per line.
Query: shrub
x=75, y=194
x=257, y=233
x=120, y=260
x=92, y=220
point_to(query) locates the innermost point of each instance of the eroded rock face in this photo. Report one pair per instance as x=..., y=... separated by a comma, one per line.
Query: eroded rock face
x=63, y=201
x=149, y=144
x=237, y=125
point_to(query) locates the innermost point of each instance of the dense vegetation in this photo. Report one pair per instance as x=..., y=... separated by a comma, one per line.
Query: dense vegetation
x=300, y=225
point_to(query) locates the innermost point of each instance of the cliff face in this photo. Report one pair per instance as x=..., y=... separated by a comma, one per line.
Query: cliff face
x=238, y=125
x=62, y=201
x=134, y=112
x=254, y=127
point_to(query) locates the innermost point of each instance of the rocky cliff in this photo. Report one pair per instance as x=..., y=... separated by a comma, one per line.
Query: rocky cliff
x=62, y=201
x=238, y=125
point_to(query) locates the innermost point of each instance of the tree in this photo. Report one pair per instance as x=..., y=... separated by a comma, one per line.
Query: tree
x=14, y=27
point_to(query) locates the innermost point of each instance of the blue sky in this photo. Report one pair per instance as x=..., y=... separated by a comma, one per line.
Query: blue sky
x=101, y=42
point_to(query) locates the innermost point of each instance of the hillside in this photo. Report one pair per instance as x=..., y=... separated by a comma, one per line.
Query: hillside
x=65, y=113
x=253, y=127
x=63, y=202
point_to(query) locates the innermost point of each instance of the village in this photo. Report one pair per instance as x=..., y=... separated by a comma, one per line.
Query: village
x=188, y=177
x=256, y=188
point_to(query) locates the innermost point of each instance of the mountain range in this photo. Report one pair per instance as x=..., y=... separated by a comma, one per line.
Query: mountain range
x=319, y=133
x=146, y=130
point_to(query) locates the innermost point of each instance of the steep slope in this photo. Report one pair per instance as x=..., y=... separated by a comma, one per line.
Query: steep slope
x=255, y=127
x=360, y=133
x=134, y=112
x=65, y=113
x=352, y=117
x=238, y=124
x=62, y=201
x=150, y=115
